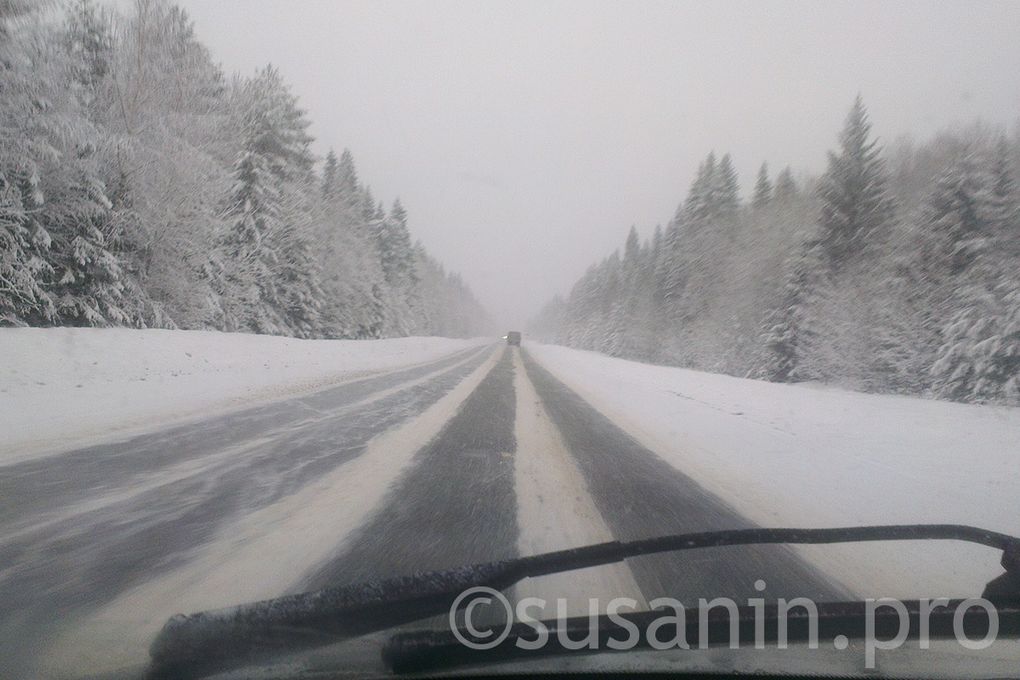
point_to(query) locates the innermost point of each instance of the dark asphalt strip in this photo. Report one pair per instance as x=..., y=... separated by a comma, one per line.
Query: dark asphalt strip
x=41, y=484
x=98, y=553
x=72, y=566
x=640, y=495
x=455, y=505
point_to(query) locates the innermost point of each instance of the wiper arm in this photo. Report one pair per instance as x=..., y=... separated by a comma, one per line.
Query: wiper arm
x=198, y=644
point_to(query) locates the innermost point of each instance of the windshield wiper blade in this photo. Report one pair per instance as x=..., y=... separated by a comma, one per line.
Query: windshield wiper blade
x=198, y=644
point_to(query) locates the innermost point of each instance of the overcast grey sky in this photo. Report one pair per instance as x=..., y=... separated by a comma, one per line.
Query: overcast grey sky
x=525, y=138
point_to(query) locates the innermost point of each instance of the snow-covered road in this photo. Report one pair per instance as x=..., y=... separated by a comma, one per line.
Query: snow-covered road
x=817, y=456
x=480, y=453
x=63, y=388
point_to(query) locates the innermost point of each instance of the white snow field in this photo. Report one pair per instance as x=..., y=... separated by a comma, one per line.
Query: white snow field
x=74, y=386
x=813, y=456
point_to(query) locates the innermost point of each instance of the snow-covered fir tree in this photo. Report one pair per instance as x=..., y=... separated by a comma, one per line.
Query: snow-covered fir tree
x=856, y=206
x=264, y=268
x=726, y=191
x=786, y=187
x=762, y=188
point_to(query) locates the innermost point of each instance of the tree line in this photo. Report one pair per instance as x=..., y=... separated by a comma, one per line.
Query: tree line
x=140, y=186
x=896, y=270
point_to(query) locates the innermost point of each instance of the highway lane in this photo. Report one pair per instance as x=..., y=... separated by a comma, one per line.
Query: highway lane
x=641, y=496
x=81, y=527
x=79, y=534
x=41, y=484
x=456, y=506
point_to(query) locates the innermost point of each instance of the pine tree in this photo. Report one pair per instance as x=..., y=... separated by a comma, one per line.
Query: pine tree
x=979, y=296
x=786, y=187
x=1003, y=203
x=957, y=217
x=27, y=139
x=298, y=276
x=369, y=209
x=98, y=284
x=726, y=190
x=632, y=249
x=855, y=204
x=89, y=42
x=245, y=259
x=329, y=176
x=701, y=201
x=274, y=164
x=788, y=330
x=56, y=213
x=340, y=184
x=89, y=282
x=656, y=244
x=635, y=309
x=671, y=271
x=762, y=188
x=354, y=295
x=22, y=297
x=979, y=360
x=348, y=188
x=397, y=258
x=395, y=248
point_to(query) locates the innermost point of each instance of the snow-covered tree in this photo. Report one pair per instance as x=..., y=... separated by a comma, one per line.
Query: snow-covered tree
x=1003, y=204
x=138, y=187
x=977, y=289
x=348, y=187
x=979, y=360
x=856, y=206
x=788, y=331
x=263, y=270
x=786, y=187
x=726, y=192
x=762, y=188
x=958, y=218
x=89, y=41
x=26, y=139
x=829, y=282
x=354, y=295
x=700, y=203
x=329, y=171
x=56, y=213
x=395, y=249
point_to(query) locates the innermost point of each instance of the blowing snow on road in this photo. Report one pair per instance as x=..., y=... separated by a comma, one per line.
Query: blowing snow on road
x=480, y=454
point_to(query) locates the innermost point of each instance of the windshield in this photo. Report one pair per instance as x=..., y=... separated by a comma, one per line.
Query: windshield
x=305, y=296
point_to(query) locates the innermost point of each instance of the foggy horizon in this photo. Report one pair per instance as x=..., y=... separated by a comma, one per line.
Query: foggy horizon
x=525, y=139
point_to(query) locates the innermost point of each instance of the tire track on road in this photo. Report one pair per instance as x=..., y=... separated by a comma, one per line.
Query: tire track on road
x=455, y=506
x=262, y=554
x=556, y=512
x=639, y=495
x=88, y=471
x=67, y=568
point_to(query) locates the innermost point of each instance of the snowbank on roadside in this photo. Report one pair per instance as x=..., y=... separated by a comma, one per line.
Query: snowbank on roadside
x=70, y=386
x=813, y=456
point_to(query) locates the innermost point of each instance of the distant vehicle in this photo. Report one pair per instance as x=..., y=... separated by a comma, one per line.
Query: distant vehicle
x=513, y=338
